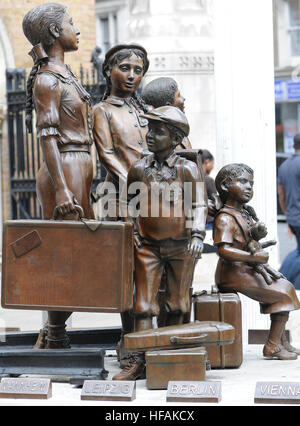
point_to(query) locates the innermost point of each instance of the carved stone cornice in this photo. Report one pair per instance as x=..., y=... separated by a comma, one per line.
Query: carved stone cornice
x=182, y=62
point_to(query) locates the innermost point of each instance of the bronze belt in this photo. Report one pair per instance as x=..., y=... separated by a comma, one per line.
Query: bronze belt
x=74, y=148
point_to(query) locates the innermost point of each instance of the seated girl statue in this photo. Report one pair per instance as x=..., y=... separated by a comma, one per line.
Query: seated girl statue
x=243, y=264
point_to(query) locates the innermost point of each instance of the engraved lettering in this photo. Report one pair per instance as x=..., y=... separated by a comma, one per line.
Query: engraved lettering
x=174, y=389
x=274, y=389
x=212, y=390
x=263, y=389
x=193, y=389
x=125, y=389
x=184, y=389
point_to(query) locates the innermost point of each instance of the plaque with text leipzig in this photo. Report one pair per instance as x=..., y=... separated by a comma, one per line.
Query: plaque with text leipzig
x=105, y=390
x=194, y=392
x=25, y=388
x=277, y=393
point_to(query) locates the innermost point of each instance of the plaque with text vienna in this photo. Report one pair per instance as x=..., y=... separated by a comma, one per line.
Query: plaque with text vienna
x=105, y=390
x=277, y=393
x=194, y=392
x=25, y=388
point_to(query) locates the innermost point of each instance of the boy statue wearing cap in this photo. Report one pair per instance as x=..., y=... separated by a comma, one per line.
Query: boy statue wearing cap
x=165, y=198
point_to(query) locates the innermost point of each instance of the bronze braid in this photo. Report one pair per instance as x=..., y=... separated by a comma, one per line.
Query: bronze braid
x=29, y=100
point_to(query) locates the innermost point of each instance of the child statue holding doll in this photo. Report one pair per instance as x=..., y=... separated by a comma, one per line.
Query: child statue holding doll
x=243, y=266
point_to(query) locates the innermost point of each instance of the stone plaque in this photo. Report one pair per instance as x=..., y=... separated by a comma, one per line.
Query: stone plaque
x=25, y=388
x=277, y=393
x=106, y=390
x=194, y=392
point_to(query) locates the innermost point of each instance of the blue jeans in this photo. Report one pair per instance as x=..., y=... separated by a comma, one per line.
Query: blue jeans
x=296, y=231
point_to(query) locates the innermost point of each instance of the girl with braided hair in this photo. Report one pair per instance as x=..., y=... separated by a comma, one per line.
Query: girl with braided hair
x=64, y=129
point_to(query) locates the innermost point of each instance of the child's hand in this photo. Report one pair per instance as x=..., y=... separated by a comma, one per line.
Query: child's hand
x=137, y=240
x=195, y=247
x=259, y=231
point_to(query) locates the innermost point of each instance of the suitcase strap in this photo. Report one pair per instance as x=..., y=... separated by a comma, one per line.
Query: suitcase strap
x=221, y=318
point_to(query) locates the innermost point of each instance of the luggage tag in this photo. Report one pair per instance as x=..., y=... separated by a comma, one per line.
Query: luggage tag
x=26, y=243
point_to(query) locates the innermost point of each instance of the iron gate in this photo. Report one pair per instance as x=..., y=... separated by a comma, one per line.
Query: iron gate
x=25, y=154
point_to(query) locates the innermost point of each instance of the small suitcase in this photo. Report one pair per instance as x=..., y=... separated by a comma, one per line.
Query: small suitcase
x=221, y=307
x=67, y=265
x=180, y=336
x=176, y=365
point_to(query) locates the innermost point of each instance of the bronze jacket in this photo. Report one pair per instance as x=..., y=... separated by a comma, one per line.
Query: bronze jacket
x=167, y=214
x=120, y=135
x=63, y=107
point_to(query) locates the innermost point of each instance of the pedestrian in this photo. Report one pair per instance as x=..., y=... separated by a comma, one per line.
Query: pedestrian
x=289, y=190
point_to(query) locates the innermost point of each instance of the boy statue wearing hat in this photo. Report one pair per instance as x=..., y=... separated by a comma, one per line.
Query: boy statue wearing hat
x=169, y=224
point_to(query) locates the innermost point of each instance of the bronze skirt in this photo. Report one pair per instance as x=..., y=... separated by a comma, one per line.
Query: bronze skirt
x=78, y=171
x=239, y=277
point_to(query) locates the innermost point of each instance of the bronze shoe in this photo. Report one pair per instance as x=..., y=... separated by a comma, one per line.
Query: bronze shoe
x=272, y=350
x=57, y=337
x=135, y=370
x=122, y=355
x=41, y=340
x=286, y=344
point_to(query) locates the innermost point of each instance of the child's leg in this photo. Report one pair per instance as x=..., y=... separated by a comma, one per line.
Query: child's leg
x=149, y=268
x=274, y=348
x=179, y=270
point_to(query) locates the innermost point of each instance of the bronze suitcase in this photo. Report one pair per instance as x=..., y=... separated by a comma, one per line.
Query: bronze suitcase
x=67, y=265
x=175, y=365
x=180, y=336
x=221, y=307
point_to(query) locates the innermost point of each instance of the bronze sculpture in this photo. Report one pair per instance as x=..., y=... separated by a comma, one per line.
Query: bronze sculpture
x=164, y=91
x=119, y=131
x=163, y=242
x=64, y=128
x=243, y=266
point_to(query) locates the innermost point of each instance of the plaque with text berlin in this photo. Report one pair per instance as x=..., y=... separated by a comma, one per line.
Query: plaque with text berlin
x=194, y=392
x=277, y=393
x=105, y=390
x=25, y=388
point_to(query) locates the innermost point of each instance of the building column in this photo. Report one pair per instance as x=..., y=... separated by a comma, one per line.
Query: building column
x=245, y=110
x=178, y=36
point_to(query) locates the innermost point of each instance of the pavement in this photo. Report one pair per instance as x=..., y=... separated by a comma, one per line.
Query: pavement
x=238, y=385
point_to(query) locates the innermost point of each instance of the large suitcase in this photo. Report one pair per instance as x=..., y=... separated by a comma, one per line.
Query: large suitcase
x=67, y=265
x=221, y=307
x=176, y=365
x=180, y=336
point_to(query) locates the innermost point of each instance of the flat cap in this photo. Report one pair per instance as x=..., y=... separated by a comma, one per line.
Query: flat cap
x=119, y=47
x=169, y=115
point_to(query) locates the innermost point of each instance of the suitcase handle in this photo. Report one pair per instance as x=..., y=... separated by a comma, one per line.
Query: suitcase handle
x=182, y=340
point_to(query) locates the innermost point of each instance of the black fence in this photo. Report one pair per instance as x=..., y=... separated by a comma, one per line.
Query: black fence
x=25, y=154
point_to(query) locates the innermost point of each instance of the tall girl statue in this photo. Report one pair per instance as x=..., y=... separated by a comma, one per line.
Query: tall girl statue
x=119, y=131
x=64, y=129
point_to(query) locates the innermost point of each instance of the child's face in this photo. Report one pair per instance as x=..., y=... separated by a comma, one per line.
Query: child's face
x=126, y=76
x=69, y=37
x=158, y=137
x=241, y=188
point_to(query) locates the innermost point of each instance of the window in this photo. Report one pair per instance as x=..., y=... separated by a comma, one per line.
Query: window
x=107, y=31
x=294, y=22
